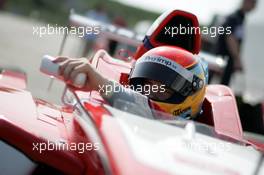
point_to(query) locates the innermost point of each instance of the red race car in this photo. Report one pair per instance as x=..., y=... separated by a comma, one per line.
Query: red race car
x=87, y=136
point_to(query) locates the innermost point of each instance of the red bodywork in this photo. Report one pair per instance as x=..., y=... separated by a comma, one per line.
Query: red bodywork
x=162, y=21
x=25, y=120
x=12, y=78
x=37, y=121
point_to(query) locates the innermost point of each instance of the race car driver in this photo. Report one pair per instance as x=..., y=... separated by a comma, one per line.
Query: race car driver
x=179, y=76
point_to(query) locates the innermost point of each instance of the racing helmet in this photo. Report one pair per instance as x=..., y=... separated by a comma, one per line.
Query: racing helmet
x=180, y=71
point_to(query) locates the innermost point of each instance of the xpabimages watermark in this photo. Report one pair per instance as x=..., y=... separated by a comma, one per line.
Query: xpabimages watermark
x=143, y=89
x=63, y=146
x=189, y=30
x=80, y=31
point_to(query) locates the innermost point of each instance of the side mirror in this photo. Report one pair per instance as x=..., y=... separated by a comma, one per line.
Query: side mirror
x=174, y=28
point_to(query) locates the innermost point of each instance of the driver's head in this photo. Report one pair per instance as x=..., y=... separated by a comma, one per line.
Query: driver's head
x=175, y=79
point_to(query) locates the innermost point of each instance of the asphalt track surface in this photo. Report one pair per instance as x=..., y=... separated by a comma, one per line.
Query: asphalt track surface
x=22, y=50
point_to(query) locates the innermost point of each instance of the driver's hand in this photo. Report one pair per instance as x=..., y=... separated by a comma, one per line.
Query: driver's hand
x=71, y=67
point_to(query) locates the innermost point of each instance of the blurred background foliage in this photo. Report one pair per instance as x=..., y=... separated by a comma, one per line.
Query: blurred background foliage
x=57, y=11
